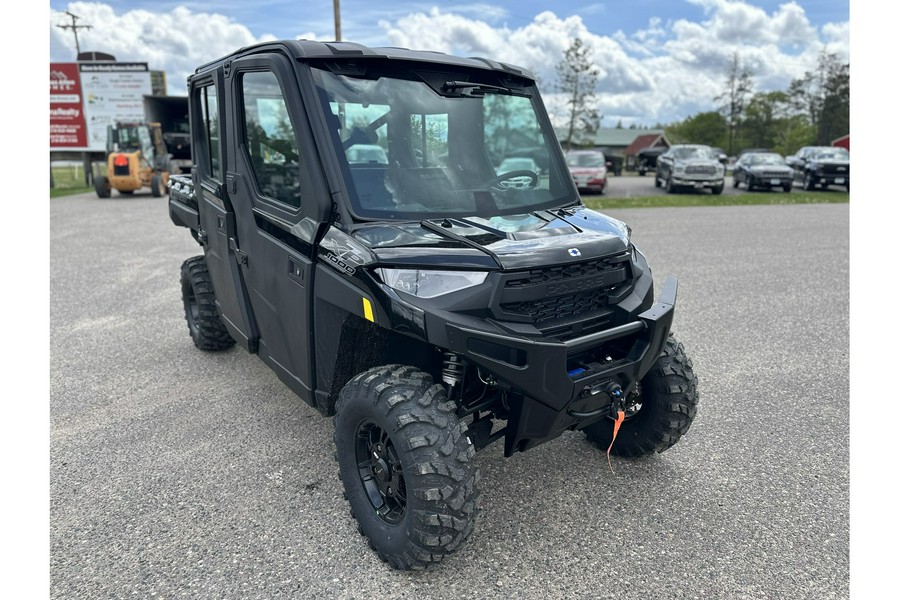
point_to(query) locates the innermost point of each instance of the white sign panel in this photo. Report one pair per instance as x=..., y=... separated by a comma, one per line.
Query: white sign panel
x=112, y=91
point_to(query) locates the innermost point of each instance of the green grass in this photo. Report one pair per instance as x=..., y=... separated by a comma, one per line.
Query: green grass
x=68, y=180
x=57, y=191
x=704, y=199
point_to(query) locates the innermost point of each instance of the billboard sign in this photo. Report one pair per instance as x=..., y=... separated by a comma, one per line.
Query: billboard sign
x=98, y=94
x=67, y=125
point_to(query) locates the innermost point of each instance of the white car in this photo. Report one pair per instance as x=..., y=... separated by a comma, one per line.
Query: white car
x=367, y=153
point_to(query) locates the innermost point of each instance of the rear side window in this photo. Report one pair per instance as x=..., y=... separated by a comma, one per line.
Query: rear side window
x=209, y=113
x=269, y=137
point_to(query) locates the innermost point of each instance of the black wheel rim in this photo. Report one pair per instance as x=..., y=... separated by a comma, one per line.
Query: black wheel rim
x=380, y=472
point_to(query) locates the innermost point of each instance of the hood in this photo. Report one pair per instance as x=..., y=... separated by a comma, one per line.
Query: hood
x=587, y=170
x=770, y=168
x=829, y=161
x=509, y=242
x=705, y=162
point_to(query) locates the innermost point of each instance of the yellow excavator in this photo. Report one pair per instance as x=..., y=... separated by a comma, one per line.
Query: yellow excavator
x=135, y=158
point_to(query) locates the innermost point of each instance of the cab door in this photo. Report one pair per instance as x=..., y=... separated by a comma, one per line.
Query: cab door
x=275, y=184
x=217, y=218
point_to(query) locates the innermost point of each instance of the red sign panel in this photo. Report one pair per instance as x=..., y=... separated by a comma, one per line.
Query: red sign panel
x=67, y=124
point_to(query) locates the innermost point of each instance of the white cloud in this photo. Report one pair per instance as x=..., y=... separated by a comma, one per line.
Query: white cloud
x=176, y=42
x=661, y=73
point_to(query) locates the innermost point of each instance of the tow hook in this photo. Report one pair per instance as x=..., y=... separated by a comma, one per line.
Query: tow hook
x=616, y=396
x=615, y=393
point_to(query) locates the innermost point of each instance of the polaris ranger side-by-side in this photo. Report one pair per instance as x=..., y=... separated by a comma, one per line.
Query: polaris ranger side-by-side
x=428, y=304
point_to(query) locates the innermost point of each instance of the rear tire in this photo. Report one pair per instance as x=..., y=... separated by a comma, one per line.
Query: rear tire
x=101, y=186
x=668, y=404
x=204, y=322
x=407, y=466
x=156, y=186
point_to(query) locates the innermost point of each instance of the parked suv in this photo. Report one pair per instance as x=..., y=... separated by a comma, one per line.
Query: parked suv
x=690, y=167
x=816, y=166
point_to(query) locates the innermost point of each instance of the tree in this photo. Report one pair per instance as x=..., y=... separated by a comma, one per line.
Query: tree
x=764, y=118
x=578, y=77
x=709, y=128
x=823, y=98
x=732, y=101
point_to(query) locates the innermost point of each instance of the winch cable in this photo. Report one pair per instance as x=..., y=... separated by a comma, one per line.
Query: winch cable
x=620, y=416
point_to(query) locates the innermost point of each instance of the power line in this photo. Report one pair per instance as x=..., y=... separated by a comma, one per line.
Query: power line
x=75, y=29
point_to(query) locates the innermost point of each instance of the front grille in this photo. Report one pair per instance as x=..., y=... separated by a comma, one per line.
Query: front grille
x=554, y=296
x=550, y=309
x=700, y=170
x=120, y=170
x=839, y=170
x=773, y=175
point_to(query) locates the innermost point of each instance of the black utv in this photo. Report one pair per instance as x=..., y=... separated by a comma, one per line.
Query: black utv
x=357, y=238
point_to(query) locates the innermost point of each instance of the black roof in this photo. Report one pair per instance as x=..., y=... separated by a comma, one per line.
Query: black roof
x=350, y=51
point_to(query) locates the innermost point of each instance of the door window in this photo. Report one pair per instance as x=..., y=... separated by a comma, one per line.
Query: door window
x=209, y=113
x=269, y=138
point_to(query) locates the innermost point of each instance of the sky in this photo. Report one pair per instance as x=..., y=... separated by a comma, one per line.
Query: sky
x=660, y=61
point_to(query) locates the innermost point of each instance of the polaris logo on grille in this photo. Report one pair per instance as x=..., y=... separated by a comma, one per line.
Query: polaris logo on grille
x=574, y=252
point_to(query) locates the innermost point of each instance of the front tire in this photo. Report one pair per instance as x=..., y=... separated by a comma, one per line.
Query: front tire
x=808, y=183
x=407, y=466
x=204, y=322
x=717, y=190
x=102, y=187
x=156, y=186
x=666, y=406
x=670, y=187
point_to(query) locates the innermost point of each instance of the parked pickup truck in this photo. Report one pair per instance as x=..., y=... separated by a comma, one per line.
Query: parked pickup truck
x=426, y=303
x=690, y=167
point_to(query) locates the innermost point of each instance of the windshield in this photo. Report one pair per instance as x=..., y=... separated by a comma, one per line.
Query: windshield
x=587, y=159
x=766, y=159
x=832, y=154
x=692, y=153
x=413, y=153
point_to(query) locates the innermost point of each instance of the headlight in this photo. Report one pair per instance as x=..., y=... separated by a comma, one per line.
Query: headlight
x=429, y=284
x=720, y=170
x=679, y=168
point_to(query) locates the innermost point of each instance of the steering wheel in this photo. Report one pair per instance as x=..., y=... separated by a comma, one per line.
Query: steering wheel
x=504, y=181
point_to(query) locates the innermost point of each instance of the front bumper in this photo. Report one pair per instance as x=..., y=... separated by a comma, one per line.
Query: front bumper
x=562, y=385
x=697, y=183
x=832, y=179
x=770, y=180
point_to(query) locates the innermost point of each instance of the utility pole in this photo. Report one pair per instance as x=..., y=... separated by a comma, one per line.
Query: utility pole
x=75, y=29
x=337, y=20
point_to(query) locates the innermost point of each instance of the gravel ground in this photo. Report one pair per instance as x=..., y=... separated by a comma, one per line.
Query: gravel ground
x=181, y=474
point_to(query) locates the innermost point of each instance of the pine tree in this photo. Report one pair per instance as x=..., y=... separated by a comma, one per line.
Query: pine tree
x=578, y=77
